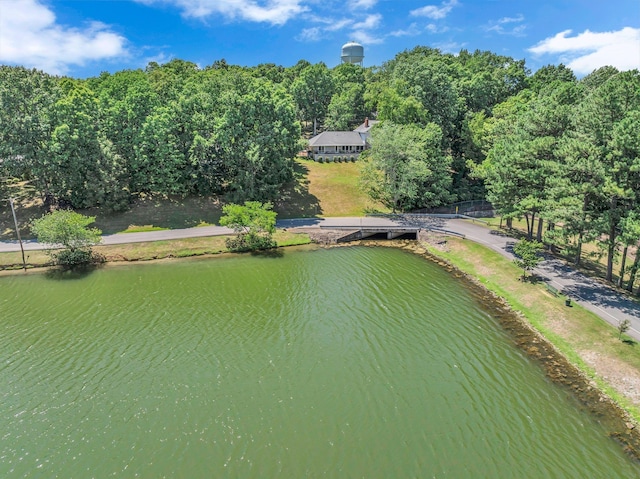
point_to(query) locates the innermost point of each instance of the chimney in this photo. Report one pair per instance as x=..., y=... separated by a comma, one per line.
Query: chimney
x=366, y=122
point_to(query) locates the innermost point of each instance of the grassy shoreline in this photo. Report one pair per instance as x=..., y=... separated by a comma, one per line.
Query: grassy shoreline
x=563, y=340
x=578, y=334
x=147, y=251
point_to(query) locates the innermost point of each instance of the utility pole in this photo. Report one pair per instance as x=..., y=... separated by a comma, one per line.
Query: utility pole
x=15, y=222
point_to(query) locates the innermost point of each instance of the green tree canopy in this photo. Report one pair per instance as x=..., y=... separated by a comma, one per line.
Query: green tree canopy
x=71, y=231
x=406, y=168
x=27, y=99
x=312, y=91
x=257, y=138
x=254, y=224
x=527, y=255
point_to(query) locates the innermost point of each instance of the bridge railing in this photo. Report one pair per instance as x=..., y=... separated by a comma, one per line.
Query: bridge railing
x=425, y=216
x=473, y=208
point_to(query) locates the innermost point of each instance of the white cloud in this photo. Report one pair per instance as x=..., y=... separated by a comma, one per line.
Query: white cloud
x=588, y=50
x=517, y=19
x=317, y=33
x=499, y=26
x=361, y=28
x=433, y=28
x=312, y=34
x=412, y=31
x=276, y=12
x=338, y=25
x=363, y=4
x=372, y=21
x=159, y=58
x=365, y=37
x=515, y=31
x=450, y=47
x=30, y=36
x=434, y=12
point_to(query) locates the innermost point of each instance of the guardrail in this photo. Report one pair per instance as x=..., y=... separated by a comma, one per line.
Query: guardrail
x=449, y=216
x=447, y=232
x=373, y=228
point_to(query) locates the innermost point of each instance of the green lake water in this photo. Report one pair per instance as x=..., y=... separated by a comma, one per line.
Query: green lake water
x=341, y=363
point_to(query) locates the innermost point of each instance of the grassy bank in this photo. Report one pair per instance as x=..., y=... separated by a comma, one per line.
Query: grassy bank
x=151, y=250
x=582, y=337
x=325, y=189
x=318, y=189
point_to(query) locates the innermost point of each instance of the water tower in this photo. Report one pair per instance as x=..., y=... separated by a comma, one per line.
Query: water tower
x=352, y=52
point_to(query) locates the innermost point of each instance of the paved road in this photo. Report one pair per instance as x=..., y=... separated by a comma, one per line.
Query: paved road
x=607, y=303
x=590, y=293
x=123, y=238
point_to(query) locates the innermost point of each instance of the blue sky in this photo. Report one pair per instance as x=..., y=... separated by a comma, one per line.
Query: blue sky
x=81, y=38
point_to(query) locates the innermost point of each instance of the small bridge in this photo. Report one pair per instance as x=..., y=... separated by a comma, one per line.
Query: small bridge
x=375, y=232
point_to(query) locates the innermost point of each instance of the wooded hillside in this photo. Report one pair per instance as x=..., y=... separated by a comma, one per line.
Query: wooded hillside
x=453, y=127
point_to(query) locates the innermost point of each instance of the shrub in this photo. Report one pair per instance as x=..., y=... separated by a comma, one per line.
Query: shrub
x=254, y=224
x=249, y=242
x=71, y=231
x=73, y=258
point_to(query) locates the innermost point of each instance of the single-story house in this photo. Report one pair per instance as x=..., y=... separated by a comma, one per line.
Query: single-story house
x=330, y=146
x=365, y=128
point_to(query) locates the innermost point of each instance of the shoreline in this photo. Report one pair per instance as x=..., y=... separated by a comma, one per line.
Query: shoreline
x=152, y=251
x=618, y=421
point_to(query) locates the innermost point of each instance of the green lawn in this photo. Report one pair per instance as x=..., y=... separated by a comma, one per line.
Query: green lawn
x=325, y=189
x=150, y=250
x=318, y=189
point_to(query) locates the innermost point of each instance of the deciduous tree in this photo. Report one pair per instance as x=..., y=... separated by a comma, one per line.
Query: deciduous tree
x=257, y=137
x=406, y=167
x=312, y=91
x=27, y=99
x=71, y=231
x=527, y=255
x=254, y=224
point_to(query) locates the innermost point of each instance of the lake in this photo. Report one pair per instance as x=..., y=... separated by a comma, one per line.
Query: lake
x=346, y=362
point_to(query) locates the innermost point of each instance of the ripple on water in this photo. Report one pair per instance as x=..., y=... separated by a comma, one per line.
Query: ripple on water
x=346, y=363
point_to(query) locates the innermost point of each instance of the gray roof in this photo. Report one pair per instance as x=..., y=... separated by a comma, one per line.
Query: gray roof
x=363, y=128
x=337, y=138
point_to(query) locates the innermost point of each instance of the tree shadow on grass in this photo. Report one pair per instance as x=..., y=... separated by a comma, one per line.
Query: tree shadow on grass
x=533, y=279
x=160, y=212
x=295, y=200
x=178, y=212
x=26, y=211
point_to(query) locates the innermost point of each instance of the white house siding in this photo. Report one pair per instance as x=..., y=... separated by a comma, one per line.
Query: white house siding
x=332, y=146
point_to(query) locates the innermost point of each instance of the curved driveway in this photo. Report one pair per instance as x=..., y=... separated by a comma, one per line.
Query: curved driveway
x=590, y=293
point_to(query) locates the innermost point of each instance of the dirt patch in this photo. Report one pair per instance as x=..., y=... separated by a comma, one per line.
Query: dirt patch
x=559, y=325
x=436, y=240
x=622, y=377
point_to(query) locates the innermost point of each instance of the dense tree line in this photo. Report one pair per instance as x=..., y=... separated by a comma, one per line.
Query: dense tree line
x=559, y=152
x=176, y=129
x=427, y=98
x=568, y=152
x=171, y=129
